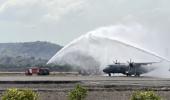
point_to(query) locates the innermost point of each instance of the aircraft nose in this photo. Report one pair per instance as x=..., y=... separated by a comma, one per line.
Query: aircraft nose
x=105, y=70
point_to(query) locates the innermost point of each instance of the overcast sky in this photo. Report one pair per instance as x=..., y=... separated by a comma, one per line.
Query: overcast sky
x=61, y=21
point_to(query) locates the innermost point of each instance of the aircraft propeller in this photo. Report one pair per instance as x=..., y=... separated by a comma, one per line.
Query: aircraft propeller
x=130, y=63
x=115, y=62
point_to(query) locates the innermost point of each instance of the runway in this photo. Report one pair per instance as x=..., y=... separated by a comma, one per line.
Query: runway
x=87, y=80
x=99, y=87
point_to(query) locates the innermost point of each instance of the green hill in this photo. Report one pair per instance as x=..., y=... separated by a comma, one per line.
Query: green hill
x=43, y=50
x=26, y=54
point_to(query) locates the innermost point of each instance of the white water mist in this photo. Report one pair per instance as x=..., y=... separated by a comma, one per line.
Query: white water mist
x=94, y=50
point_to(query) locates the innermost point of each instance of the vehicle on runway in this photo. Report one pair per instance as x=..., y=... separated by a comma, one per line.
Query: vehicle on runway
x=128, y=69
x=37, y=71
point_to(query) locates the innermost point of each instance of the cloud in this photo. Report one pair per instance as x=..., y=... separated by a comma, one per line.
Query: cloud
x=61, y=21
x=58, y=8
x=37, y=10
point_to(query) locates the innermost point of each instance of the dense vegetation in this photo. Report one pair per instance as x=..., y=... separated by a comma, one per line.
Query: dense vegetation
x=19, y=94
x=21, y=61
x=79, y=93
x=145, y=95
x=21, y=64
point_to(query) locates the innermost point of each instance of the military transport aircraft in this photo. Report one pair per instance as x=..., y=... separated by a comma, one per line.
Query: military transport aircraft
x=129, y=68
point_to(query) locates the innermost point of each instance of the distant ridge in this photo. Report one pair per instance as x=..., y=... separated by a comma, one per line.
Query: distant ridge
x=38, y=49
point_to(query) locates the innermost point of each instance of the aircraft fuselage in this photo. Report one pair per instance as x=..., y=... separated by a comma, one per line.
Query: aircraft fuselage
x=128, y=70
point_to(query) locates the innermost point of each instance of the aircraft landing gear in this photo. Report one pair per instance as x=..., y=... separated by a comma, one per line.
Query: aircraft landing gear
x=137, y=75
x=128, y=74
x=109, y=74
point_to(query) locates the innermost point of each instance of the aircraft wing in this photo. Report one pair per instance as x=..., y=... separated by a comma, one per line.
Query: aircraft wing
x=146, y=63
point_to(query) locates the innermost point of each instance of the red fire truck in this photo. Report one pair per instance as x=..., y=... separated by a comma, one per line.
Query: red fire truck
x=37, y=71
